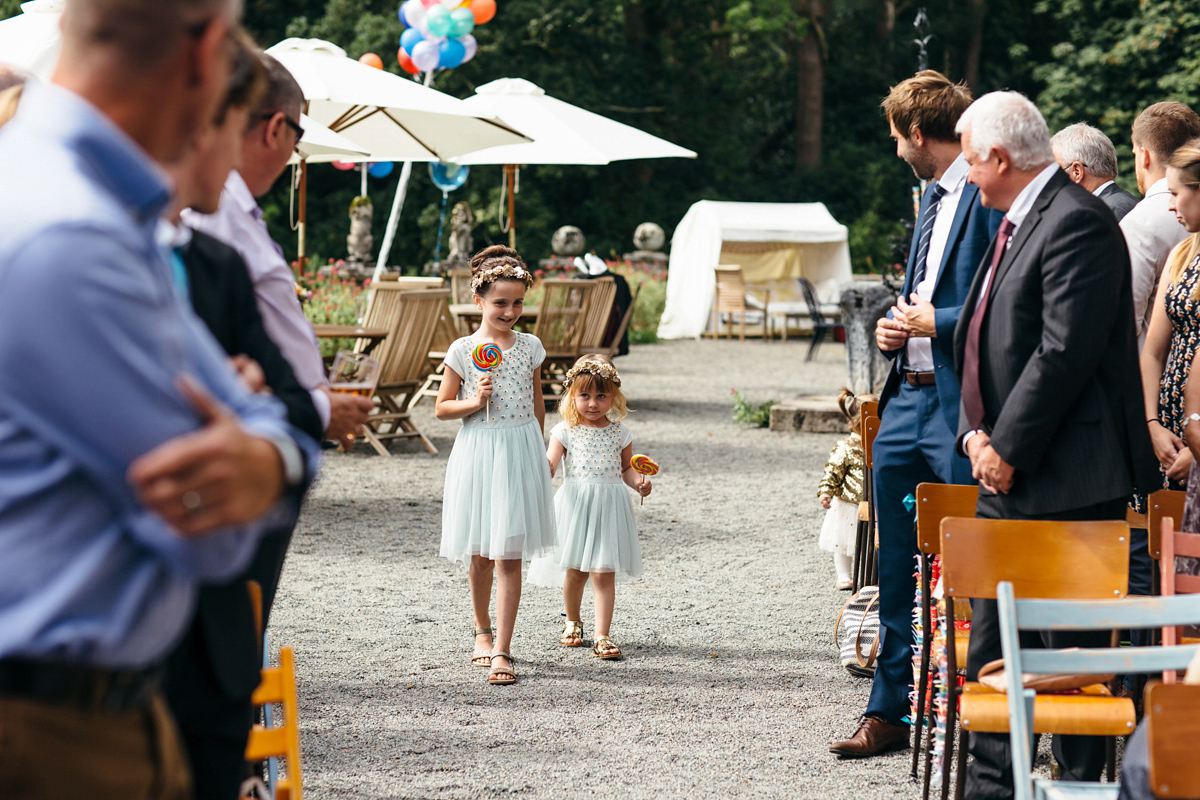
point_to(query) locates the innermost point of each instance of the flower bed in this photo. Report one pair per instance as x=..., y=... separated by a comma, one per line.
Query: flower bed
x=332, y=301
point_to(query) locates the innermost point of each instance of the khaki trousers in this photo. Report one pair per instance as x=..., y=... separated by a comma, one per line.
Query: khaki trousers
x=52, y=752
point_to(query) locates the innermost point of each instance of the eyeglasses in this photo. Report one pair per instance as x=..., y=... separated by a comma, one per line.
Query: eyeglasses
x=291, y=123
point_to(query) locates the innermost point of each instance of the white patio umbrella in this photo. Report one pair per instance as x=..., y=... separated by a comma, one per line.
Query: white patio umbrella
x=393, y=118
x=32, y=40
x=321, y=145
x=562, y=134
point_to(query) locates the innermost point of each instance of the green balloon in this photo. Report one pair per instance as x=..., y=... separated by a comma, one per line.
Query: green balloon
x=438, y=20
x=462, y=21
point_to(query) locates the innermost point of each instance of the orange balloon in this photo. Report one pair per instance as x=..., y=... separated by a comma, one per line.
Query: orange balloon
x=406, y=63
x=371, y=60
x=483, y=10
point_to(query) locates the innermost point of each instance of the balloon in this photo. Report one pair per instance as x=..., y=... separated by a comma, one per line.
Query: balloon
x=410, y=39
x=381, y=169
x=469, y=45
x=447, y=177
x=425, y=56
x=371, y=60
x=412, y=13
x=483, y=10
x=462, y=22
x=428, y=3
x=405, y=62
x=451, y=4
x=438, y=20
x=450, y=53
x=343, y=165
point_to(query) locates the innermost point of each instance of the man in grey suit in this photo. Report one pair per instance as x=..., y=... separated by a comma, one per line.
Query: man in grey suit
x=1052, y=414
x=1089, y=159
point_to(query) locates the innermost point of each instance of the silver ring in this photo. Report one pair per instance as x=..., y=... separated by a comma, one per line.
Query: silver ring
x=191, y=500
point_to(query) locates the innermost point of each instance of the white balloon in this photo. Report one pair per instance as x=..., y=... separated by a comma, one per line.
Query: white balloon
x=414, y=13
x=470, y=45
x=425, y=55
x=451, y=4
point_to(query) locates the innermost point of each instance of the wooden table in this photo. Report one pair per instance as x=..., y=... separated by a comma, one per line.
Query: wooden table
x=373, y=335
x=467, y=314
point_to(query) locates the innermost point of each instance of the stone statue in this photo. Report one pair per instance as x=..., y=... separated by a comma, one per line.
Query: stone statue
x=360, y=243
x=461, y=222
x=568, y=242
x=649, y=237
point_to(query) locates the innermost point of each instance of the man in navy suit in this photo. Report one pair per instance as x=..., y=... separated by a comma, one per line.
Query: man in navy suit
x=920, y=400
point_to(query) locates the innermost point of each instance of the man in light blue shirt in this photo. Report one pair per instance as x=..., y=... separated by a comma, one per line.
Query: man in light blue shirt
x=132, y=463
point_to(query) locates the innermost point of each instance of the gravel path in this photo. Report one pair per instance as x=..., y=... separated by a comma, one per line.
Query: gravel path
x=730, y=685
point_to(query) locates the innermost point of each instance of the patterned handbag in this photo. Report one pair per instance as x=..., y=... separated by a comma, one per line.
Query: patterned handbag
x=857, y=632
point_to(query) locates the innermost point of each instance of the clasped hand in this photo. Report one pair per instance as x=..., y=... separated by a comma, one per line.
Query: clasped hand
x=915, y=318
x=987, y=467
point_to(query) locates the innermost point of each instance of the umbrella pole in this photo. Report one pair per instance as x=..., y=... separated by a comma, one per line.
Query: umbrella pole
x=363, y=168
x=393, y=222
x=303, y=216
x=511, y=173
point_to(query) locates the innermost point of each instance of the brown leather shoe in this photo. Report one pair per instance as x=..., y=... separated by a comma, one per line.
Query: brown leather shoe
x=874, y=736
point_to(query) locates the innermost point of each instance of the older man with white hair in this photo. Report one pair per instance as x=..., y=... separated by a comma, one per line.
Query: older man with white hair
x=1090, y=159
x=1051, y=398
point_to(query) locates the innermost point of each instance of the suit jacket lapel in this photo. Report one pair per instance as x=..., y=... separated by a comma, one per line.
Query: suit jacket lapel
x=1028, y=225
x=916, y=243
x=965, y=200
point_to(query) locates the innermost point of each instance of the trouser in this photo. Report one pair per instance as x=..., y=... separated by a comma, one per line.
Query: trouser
x=1141, y=571
x=989, y=773
x=914, y=445
x=50, y=751
x=1135, y=768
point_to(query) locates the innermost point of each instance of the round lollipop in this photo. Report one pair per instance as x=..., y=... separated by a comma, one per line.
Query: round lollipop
x=487, y=357
x=643, y=465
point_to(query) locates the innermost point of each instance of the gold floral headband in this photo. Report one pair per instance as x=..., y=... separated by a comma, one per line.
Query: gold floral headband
x=606, y=371
x=494, y=274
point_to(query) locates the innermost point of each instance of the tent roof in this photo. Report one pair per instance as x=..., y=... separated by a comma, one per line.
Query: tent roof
x=763, y=222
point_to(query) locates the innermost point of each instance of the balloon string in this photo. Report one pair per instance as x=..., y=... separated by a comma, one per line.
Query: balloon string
x=292, y=197
x=437, y=250
x=504, y=223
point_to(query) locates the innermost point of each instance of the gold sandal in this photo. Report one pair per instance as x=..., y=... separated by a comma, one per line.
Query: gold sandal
x=572, y=630
x=502, y=676
x=605, y=647
x=484, y=661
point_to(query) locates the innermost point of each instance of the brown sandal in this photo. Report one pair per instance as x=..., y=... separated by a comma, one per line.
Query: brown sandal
x=501, y=676
x=484, y=661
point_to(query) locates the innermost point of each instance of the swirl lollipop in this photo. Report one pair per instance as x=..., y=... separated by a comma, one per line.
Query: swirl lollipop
x=487, y=357
x=643, y=465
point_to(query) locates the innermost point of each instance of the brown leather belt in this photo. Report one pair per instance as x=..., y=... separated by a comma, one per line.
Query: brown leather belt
x=78, y=686
x=919, y=378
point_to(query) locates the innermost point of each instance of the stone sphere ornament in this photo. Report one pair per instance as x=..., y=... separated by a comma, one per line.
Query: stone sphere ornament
x=568, y=242
x=649, y=236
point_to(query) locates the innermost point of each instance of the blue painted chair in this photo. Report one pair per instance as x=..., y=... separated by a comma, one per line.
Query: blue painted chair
x=1078, y=615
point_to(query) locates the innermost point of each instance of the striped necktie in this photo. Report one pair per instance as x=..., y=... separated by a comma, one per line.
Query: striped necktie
x=936, y=191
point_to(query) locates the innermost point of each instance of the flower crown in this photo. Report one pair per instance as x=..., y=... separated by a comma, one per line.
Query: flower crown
x=606, y=371
x=493, y=274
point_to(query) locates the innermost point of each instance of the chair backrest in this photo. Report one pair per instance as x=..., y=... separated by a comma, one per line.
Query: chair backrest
x=278, y=686
x=935, y=502
x=1176, y=543
x=1163, y=503
x=731, y=288
x=869, y=408
x=1018, y=615
x=870, y=431
x=819, y=320
x=383, y=309
x=413, y=282
x=460, y=284
x=599, y=311
x=1041, y=558
x=1172, y=729
x=562, y=316
x=404, y=354
x=625, y=320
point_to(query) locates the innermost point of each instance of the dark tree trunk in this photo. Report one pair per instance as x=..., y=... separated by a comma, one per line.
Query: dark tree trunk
x=810, y=65
x=977, y=9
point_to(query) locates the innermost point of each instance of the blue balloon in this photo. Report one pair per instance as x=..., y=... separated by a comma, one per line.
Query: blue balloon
x=447, y=177
x=451, y=53
x=381, y=169
x=400, y=16
x=410, y=39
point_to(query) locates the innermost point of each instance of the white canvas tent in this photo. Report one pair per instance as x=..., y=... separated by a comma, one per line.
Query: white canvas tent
x=774, y=243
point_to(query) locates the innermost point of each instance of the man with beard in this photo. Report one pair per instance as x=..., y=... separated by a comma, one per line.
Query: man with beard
x=920, y=400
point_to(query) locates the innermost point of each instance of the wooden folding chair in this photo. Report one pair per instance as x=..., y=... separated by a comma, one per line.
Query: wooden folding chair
x=1090, y=712
x=866, y=540
x=560, y=326
x=444, y=335
x=383, y=309
x=403, y=364
x=599, y=313
x=729, y=298
x=1177, y=543
x=1039, y=558
x=278, y=686
x=935, y=502
x=612, y=349
x=1161, y=504
x=1172, y=729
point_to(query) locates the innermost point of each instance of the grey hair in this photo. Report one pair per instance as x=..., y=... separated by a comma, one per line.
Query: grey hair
x=1011, y=121
x=1089, y=146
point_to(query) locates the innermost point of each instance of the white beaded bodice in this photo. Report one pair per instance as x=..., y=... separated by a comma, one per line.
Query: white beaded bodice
x=512, y=382
x=594, y=454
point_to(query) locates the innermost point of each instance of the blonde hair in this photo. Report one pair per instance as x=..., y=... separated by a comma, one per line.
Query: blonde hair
x=851, y=406
x=597, y=375
x=1187, y=160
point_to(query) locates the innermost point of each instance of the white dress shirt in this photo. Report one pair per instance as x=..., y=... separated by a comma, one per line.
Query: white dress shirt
x=1017, y=212
x=239, y=224
x=1151, y=231
x=1101, y=188
x=919, y=350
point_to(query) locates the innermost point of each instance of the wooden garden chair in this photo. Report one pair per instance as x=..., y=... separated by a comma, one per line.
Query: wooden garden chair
x=383, y=309
x=729, y=298
x=278, y=686
x=444, y=335
x=1045, y=559
x=599, y=313
x=1177, y=543
x=561, y=324
x=1090, y=712
x=1159, y=505
x=612, y=348
x=936, y=502
x=403, y=366
x=1172, y=729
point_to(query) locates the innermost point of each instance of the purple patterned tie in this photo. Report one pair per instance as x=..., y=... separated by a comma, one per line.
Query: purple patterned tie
x=971, y=395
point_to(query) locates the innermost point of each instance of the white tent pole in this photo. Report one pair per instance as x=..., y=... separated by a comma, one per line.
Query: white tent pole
x=398, y=203
x=363, y=168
